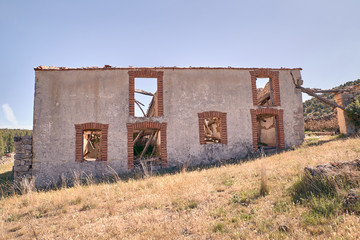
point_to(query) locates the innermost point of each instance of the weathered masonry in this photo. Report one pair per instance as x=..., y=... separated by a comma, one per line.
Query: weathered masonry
x=96, y=121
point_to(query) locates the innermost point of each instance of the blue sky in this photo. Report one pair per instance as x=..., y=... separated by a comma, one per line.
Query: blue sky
x=320, y=36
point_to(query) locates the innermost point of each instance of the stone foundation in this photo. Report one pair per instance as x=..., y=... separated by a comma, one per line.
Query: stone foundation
x=23, y=159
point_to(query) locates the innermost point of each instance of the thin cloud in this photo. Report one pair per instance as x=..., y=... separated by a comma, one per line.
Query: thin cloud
x=9, y=114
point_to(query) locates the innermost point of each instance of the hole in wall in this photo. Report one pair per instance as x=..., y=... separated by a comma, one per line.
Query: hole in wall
x=147, y=146
x=91, y=145
x=146, y=97
x=264, y=90
x=267, y=131
x=212, y=130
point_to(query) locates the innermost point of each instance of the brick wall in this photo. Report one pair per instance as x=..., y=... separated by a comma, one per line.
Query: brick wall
x=278, y=113
x=274, y=78
x=146, y=73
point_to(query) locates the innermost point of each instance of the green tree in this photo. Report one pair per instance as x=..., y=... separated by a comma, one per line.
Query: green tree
x=10, y=142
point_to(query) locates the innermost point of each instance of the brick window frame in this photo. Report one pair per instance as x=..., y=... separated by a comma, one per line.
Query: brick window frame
x=79, y=129
x=278, y=113
x=274, y=78
x=146, y=73
x=146, y=125
x=202, y=116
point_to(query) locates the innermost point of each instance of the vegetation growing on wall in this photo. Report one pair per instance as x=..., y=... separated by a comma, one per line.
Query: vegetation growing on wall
x=353, y=111
x=7, y=139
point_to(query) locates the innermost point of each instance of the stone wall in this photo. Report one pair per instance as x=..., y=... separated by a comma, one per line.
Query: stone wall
x=23, y=158
x=327, y=122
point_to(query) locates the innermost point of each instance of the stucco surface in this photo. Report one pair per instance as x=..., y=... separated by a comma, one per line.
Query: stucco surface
x=65, y=98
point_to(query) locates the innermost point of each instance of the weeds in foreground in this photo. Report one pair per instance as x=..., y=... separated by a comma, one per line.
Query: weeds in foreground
x=308, y=186
x=264, y=188
x=324, y=197
x=219, y=227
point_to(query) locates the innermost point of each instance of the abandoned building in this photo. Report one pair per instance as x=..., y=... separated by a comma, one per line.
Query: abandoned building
x=103, y=120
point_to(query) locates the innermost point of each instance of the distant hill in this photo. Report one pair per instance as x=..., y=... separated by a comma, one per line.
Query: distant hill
x=314, y=107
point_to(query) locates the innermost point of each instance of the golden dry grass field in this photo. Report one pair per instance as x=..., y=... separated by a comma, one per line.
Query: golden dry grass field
x=216, y=203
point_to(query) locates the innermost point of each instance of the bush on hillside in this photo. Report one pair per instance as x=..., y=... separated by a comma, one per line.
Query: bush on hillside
x=353, y=112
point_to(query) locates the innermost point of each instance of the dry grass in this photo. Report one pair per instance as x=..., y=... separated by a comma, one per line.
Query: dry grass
x=5, y=171
x=218, y=203
x=6, y=178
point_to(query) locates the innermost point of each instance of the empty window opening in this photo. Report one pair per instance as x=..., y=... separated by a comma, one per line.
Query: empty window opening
x=146, y=103
x=147, y=147
x=212, y=129
x=91, y=145
x=264, y=92
x=267, y=131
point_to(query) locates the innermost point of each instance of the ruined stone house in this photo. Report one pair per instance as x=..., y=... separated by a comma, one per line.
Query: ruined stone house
x=85, y=118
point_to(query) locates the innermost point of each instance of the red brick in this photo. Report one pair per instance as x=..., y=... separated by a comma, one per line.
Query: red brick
x=222, y=116
x=274, y=78
x=279, y=122
x=146, y=73
x=78, y=139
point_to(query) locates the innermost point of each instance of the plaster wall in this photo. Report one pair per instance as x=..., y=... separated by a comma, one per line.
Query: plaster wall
x=291, y=102
x=187, y=93
x=67, y=97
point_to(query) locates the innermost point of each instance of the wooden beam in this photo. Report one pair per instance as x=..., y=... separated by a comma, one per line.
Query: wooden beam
x=324, y=100
x=138, y=137
x=263, y=98
x=137, y=103
x=144, y=92
x=146, y=146
x=153, y=159
x=316, y=90
x=154, y=149
x=140, y=103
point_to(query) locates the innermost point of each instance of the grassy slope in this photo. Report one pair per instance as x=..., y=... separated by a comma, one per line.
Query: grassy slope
x=188, y=205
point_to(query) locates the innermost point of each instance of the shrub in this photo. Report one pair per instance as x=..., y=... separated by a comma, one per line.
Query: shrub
x=353, y=112
x=309, y=186
x=323, y=196
x=219, y=227
x=325, y=207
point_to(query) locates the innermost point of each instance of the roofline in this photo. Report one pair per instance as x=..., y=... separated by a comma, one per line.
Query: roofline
x=108, y=67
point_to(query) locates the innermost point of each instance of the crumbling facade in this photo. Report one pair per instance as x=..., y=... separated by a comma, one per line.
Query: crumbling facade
x=85, y=119
x=342, y=97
